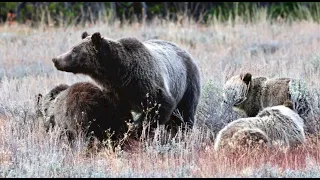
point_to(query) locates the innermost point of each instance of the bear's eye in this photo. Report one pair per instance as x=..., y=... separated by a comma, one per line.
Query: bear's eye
x=76, y=49
x=237, y=102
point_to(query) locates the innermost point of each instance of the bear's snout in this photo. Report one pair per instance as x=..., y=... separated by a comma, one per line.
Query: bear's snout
x=56, y=63
x=54, y=60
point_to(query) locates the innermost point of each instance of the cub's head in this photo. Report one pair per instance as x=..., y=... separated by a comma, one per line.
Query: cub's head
x=82, y=57
x=236, y=89
x=44, y=102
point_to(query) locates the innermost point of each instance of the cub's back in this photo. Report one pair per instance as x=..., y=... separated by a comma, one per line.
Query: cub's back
x=275, y=92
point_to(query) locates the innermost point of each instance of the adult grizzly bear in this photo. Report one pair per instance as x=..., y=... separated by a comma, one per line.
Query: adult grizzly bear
x=251, y=94
x=135, y=70
x=273, y=125
x=83, y=107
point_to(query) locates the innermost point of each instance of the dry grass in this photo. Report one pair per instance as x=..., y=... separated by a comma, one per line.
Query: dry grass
x=221, y=51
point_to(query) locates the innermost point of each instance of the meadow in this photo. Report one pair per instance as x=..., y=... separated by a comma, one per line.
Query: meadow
x=263, y=48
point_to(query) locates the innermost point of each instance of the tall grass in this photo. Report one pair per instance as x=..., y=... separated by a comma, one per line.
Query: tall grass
x=221, y=50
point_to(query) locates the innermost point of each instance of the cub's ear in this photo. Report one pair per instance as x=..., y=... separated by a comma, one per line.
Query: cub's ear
x=84, y=35
x=96, y=39
x=288, y=104
x=246, y=77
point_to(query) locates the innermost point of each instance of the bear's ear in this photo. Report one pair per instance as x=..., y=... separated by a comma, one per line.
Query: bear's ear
x=84, y=35
x=96, y=39
x=288, y=104
x=246, y=77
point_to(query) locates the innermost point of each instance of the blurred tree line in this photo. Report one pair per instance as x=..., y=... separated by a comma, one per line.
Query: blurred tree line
x=66, y=13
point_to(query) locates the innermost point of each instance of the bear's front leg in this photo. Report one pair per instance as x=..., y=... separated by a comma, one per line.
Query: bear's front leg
x=167, y=106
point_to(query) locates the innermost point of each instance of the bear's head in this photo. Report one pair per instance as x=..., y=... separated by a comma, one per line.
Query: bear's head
x=236, y=89
x=44, y=102
x=82, y=57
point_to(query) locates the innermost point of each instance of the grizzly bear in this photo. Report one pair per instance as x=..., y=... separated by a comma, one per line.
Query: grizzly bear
x=251, y=94
x=141, y=73
x=84, y=107
x=276, y=125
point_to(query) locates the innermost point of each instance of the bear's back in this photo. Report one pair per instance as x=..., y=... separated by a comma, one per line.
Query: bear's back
x=284, y=113
x=84, y=106
x=171, y=59
x=275, y=92
x=283, y=123
x=84, y=96
x=278, y=123
x=169, y=50
x=86, y=101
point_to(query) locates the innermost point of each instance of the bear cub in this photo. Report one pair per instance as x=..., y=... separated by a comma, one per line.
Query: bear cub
x=84, y=107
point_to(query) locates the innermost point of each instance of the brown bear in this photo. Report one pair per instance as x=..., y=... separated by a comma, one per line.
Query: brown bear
x=251, y=94
x=276, y=125
x=84, y=107
x=134, y=70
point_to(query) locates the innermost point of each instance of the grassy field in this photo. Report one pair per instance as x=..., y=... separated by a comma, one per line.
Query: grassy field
x=221, y=50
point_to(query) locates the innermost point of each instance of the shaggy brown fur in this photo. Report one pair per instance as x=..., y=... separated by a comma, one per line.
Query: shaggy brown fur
x=251, y=95
x=84, y=107
x=155, y=71
x=273, y=125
